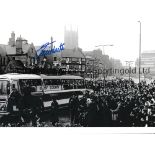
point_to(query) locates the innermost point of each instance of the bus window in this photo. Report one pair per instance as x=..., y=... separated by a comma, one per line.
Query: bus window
x=35, y=83
x=52, y=82
x=15, y=85
x=71, y=84
x=82, y=84
x=79, y=83
x=66, y=84
x=8, y=88
x=3, y=87
x=55, y=82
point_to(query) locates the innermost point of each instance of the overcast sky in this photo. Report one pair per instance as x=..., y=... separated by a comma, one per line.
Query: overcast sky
x=98, y=22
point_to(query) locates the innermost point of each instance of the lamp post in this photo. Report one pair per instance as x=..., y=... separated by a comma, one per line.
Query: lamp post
x=103, y=49
x=104, y=72
x=139, y=48
x=104, y=46
x=104, y=54
x=129, y=63
x=93, y=75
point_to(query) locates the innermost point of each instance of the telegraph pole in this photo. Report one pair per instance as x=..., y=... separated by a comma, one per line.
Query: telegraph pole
x=139, y=48
x=103, y=52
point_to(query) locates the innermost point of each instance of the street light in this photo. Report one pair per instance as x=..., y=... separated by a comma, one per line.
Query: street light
x=104, y=73
x=104, y=54
x=129, y=63
x=103, y=46
x=139, y=48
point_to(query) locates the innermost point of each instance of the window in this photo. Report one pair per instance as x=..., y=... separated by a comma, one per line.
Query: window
x=66, y=83
x=33, y=60
x=15, y=84
x=35, y=83
x=52, y=82
x=79, y=83
x=4, y=62
x=71, y=66
x=4, y=87
x=75, y=59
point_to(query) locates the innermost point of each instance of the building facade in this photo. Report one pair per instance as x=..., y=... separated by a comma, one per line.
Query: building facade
x=17, y=49
x=3, y=58
x=96, y=61
x=73, y=61
x=148, y=61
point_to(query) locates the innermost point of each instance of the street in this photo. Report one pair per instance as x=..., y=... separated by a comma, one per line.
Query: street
x=64, y=120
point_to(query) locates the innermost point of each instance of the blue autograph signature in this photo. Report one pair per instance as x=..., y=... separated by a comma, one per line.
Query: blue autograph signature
x=42, y=51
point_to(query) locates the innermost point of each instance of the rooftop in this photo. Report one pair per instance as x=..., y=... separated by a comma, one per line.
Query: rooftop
x=19, y=76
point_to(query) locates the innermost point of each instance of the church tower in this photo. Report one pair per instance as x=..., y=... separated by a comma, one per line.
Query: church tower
x=71, y=38
x=12, y=40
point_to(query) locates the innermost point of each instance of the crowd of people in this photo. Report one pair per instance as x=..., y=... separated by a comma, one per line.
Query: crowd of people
x=115, y=103
x=23, y=109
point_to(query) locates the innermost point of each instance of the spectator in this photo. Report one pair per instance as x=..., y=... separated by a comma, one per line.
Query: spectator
x=73, y=106
x=54, y=112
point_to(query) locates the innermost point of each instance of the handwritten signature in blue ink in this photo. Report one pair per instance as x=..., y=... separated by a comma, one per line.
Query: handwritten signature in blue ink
x=42, y=51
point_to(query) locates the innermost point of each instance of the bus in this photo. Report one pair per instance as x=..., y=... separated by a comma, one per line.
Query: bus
x=18, y=81
x=62, y=88
x=47, y=87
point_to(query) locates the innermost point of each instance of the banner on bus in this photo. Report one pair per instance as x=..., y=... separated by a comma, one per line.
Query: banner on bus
x=52, y=87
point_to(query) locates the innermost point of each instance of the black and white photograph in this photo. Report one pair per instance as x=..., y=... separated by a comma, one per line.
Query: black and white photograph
x=77, y=63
